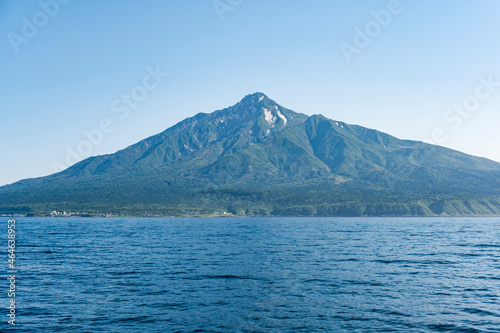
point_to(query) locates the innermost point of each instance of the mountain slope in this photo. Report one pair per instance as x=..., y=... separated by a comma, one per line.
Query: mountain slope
x=258, y=157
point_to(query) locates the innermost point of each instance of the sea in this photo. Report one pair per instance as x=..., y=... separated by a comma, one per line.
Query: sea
x=254, y=274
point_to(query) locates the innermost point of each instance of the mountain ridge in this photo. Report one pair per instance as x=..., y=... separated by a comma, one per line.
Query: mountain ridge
x=230, y=157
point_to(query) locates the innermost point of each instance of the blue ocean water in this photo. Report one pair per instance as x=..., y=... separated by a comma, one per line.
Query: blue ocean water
x=257, y=275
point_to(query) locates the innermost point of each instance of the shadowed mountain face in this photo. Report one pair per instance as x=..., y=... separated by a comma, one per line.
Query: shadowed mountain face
x=258, y=157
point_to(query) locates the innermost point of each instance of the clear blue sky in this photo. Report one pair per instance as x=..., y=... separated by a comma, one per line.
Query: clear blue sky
x=64, y=77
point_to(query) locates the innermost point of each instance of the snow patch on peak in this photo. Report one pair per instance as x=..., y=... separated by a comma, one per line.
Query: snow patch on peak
x=261, y=98
x=269, y=116
x=282, y=116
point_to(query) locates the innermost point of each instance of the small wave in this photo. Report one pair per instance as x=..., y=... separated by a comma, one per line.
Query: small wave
x=486, y=245
x=452, y=328
x=393, y=261
x=122, y=273
x=223, y=277
x=135, y=319
x=366, y=283
x=468, y=254
x=479, y=312
x=315, y=280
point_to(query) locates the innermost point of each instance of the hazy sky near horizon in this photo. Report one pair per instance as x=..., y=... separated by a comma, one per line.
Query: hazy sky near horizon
x=89, y=78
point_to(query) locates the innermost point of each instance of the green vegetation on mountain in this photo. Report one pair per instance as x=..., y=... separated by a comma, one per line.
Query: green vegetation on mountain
x=259, y=158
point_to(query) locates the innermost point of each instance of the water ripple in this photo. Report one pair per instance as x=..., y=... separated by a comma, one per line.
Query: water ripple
x=258, y=275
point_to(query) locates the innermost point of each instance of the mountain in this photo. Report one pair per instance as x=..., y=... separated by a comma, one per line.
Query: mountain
x=259, y=158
